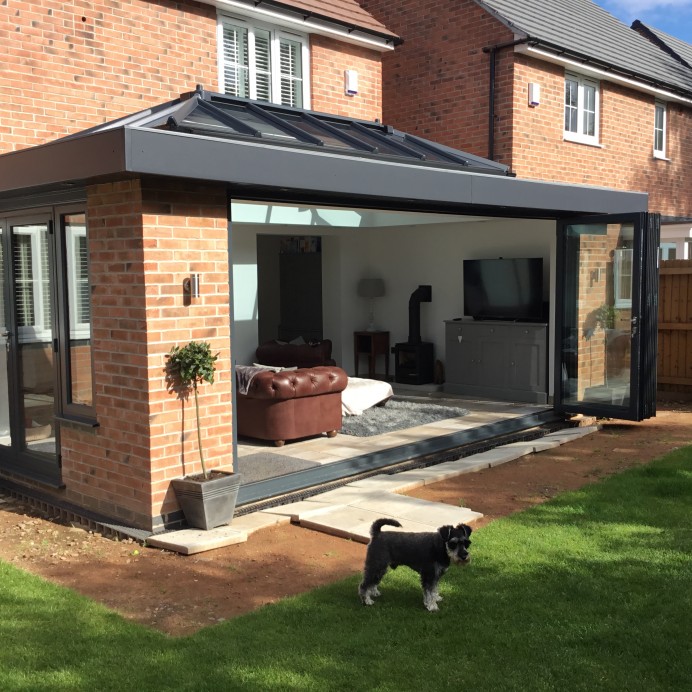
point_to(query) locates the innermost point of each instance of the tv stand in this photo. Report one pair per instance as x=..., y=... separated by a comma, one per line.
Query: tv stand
x=507, y=361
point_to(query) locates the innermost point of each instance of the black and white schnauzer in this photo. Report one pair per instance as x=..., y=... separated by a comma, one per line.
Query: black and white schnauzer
x=429, y=554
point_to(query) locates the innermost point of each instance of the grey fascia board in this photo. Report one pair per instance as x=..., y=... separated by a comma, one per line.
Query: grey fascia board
x=518, y=193
x=264, y=165
x=63, y=161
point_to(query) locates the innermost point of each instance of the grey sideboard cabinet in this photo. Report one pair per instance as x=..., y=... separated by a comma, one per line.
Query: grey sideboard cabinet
x=507, y=361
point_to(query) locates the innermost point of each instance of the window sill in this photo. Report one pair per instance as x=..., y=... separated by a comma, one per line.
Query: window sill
x=660, y=157
x=575, y=139
x=82, y=422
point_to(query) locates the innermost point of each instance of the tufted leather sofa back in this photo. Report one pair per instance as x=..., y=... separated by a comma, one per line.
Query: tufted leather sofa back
x=294, y=384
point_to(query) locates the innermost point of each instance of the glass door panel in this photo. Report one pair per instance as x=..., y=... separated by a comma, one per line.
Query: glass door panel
x=31, y=262
x=27, y=359
x=597, y=329
x=606, y=317
x=5, y=394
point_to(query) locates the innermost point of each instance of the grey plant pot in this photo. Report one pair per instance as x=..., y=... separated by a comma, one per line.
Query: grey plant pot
x=207, y=503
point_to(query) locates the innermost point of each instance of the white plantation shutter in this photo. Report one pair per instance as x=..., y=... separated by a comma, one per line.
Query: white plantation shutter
x=31, y=260
x=262, y=63
x=236, y=73
x=24, y=281
x=263, y=66
x=82, y=281
x=291, y=73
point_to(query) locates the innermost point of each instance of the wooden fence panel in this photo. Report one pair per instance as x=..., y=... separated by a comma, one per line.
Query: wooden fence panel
x=674, y=362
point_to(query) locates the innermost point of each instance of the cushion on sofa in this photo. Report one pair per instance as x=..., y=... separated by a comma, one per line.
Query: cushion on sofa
x=305, y=355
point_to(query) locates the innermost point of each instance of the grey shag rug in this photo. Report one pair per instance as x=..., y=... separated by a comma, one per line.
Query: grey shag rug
x=397, y=415
x=263, y=465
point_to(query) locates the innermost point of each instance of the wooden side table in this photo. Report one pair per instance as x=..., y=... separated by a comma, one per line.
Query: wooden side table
x=372, y=344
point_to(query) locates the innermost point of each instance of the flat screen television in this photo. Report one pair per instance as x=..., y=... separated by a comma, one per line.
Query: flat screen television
x=504, y=289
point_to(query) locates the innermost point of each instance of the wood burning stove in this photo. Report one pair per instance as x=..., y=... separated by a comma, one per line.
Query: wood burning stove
x=414, y=359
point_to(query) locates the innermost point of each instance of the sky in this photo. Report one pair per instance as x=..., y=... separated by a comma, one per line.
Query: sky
x=674, y=17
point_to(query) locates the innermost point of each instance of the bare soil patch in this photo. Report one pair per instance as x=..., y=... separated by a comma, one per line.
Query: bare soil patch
x=179, y=595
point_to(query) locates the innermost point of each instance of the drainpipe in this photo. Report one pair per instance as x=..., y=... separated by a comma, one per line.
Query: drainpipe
x=493, y=50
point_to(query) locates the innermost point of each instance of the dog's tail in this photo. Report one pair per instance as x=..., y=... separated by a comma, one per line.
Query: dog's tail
x=377, y=525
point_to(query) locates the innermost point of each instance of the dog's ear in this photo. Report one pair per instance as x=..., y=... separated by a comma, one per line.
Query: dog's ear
x=445, y=532
x=465, y=528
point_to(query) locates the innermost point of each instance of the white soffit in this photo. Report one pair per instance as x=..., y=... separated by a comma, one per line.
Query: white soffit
x=309, y=25
x=599, y=73
x=335, y=217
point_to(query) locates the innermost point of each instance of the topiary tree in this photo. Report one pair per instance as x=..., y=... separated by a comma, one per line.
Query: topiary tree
x=189, y=366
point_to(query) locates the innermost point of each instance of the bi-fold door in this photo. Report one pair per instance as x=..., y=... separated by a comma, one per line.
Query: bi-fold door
x=606, y=316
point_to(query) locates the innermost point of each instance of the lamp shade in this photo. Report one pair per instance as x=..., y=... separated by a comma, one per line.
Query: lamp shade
x=371, y=288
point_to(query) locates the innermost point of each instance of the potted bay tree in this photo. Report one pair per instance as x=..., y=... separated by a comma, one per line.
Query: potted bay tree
x=207, y=499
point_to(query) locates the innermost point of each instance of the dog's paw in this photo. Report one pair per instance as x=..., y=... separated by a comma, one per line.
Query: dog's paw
x=368, y=601
x=437, y=597
x=432, y=607
x=375, y=592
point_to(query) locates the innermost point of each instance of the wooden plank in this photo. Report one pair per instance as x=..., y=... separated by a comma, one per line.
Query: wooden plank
x=675, y=380
x=674, y=360
x=675, y=271
x=677, y=326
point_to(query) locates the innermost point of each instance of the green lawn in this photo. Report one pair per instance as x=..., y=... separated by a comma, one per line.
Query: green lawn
x=591, y=591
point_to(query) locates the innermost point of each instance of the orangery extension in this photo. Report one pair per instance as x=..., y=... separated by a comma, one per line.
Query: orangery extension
x=104, y=232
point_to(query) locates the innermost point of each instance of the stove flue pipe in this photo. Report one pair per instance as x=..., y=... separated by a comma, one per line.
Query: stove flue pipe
x=423, y=294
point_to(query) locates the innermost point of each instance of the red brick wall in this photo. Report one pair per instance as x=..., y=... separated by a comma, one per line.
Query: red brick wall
x=625, y=158
x=328, y=60
x=69, y=66
x=435, y=84
x=145, y=238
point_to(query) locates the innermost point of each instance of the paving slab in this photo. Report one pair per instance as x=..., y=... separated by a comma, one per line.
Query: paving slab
x=350, y=510
x=259, y=520
x=191, y=541
x=354, y=523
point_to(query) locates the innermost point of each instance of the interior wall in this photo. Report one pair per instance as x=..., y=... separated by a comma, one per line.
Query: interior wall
x=411, y=256
x=405, y=257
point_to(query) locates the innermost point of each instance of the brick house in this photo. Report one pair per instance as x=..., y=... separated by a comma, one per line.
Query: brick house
x=156, y=181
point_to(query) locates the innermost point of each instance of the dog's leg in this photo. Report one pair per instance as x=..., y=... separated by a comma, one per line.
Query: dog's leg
x=372, y=577
x=429, y=580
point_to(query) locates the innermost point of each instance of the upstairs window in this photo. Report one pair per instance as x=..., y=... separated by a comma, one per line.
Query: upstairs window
x=263, y=63
x=660, y=130
x=581, y=109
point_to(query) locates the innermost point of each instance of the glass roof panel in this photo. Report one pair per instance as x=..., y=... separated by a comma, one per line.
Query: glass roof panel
x=255, y=120
x=375, y=139
x=198, y=117
x=313, y=129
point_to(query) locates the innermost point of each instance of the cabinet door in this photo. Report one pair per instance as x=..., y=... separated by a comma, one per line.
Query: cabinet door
x=527, y=359
x=492, y=358
x=461, y=351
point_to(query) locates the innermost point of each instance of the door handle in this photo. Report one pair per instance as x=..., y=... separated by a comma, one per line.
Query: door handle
x=635, y=327
x=6, y=335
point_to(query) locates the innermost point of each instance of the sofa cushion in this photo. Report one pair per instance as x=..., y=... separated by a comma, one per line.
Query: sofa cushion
x=304, y=355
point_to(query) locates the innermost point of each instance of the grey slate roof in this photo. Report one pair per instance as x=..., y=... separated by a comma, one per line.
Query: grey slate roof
x=583, y=30
x=674, y=46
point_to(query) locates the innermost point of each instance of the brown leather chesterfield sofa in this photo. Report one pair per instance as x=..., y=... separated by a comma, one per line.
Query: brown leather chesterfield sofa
x=305, y=355
x=291, y=404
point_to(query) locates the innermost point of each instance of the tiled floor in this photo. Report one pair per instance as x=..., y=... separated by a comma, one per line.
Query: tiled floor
x=324, y=450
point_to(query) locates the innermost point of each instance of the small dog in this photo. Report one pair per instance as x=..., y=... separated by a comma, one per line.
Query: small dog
x=429, y=554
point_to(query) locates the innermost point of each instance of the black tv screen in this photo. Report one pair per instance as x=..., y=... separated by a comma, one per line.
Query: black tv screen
x=504, y=289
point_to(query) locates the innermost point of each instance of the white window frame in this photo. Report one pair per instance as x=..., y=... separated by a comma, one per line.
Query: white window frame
x=660, y=107
x=580, y=136
x=621, y=257
x=277, y=34
x=41, y=330
x=78, y=330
